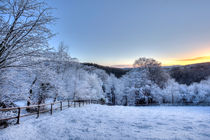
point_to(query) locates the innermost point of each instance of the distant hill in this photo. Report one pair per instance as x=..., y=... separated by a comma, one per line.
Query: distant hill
x=190, y=73
x=118, y=72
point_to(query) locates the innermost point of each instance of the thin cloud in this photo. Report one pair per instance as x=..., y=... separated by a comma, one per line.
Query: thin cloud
x=196, y=58
x=122, y=66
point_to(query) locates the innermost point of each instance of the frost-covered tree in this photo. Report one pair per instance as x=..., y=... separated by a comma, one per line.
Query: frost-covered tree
x=137, y=87
x=46, y=83
x=154, y=70
x=89, y=86
x=24, y=30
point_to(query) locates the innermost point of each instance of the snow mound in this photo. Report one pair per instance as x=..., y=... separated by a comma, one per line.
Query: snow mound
x=115, y=122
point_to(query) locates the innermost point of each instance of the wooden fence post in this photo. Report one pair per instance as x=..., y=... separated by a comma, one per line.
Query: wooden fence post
x=61, y=105
x=18, y=117
x=68, y=104
x=51, y=110
x=74, y=104
x=172, y=96
x=83, y=102
x=79, y=103
x=38, y=111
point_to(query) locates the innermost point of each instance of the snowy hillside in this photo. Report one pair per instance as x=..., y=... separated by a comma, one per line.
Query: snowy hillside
x=116, y=122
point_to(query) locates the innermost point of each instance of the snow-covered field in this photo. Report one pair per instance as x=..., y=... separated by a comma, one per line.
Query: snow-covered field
x=115, y=122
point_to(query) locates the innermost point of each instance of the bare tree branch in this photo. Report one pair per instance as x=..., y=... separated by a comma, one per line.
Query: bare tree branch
x=24, y=30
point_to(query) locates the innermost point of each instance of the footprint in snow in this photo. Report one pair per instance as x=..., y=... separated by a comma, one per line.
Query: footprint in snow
x=205, y=134
x=144, y=126
x=203, y=125
x=188, y=128
x=172, y=120
x=159, y=123
x=85, y=130
x=98, y=121
x=73, y=121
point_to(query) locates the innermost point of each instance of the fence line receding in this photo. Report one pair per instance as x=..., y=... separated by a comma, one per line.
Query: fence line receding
x=41, y=108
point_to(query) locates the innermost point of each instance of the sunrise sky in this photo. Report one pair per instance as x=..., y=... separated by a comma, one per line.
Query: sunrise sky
x=116, y=32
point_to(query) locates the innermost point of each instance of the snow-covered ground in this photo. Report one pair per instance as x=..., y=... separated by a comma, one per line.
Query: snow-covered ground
x=115, y=122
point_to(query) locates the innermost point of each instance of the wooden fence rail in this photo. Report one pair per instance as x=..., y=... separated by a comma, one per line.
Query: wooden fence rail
x=39, y=108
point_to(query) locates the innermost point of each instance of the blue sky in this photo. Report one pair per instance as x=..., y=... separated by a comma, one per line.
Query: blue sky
x=116, y=32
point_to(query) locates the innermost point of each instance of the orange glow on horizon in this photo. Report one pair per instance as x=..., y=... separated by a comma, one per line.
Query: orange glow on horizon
x=185, y=58
x=186, y=61
x=172, y=62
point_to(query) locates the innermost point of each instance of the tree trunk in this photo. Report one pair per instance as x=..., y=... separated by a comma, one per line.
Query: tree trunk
x=31, y=92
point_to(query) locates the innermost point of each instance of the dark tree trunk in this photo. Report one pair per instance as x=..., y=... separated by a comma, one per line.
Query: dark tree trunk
x=30, y=93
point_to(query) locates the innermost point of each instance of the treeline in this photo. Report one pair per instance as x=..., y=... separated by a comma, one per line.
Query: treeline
x=190, y=73
x=118, y=72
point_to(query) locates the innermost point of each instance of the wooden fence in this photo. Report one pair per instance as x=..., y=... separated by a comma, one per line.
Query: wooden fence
x=41, y=108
